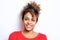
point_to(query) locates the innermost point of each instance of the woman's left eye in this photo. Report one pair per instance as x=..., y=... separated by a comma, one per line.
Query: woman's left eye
x=33, y=20
x=26, y=19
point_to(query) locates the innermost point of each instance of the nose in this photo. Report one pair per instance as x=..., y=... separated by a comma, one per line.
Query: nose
x=29, y=22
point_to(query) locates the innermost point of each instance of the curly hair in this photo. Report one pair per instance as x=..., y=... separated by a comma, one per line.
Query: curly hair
x=33, y=8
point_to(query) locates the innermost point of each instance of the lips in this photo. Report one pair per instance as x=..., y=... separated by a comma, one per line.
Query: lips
x=28, y=26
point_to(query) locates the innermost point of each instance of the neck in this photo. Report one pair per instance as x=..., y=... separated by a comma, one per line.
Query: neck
x=28, y=32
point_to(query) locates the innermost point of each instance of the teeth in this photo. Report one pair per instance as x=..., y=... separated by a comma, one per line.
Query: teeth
x=28, y=26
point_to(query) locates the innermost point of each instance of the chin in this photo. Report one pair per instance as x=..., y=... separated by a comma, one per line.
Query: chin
x=29, y=30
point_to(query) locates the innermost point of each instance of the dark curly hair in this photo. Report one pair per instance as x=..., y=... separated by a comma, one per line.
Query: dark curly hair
x=33, y=8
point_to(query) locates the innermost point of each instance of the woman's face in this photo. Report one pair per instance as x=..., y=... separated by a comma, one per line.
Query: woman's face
x=29, y=21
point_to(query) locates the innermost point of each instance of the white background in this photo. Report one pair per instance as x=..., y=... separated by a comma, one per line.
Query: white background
x=49, y=19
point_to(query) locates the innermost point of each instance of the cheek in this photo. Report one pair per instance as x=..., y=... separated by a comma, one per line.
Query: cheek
x=24, y=23
x=33, y=22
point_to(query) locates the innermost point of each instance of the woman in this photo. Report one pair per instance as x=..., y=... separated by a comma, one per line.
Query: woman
x=30, y=15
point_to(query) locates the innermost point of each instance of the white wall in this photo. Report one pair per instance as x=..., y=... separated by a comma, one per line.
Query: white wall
x=49, y=19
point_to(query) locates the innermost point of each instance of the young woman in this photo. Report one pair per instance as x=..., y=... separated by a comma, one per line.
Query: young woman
x=30, y=15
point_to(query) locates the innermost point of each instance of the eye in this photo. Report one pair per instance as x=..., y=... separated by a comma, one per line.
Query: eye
x=33, y=19
x=26, y=18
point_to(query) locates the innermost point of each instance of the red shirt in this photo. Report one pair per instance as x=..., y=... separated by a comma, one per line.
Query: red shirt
x=19, y=36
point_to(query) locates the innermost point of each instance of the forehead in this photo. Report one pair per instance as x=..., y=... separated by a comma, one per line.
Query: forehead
x=30, y=15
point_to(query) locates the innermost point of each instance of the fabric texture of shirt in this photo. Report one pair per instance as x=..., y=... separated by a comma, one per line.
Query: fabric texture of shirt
x=17, y=35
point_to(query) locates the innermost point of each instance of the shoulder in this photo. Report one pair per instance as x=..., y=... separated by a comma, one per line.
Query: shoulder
x=15, y=32
x=14, y=35
x=42, y=36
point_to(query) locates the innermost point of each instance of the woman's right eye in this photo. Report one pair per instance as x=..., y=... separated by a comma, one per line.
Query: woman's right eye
x=26, y=19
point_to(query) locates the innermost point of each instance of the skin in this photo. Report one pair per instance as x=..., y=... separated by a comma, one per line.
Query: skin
x=29, y=23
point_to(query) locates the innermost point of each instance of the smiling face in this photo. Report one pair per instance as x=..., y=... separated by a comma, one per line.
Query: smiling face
x=29, y=21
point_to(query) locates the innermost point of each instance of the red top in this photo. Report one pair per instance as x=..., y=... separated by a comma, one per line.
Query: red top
x=19, y=36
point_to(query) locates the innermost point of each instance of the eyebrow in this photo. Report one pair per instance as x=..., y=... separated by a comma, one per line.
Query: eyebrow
x=26, y=17
x=32, y=18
